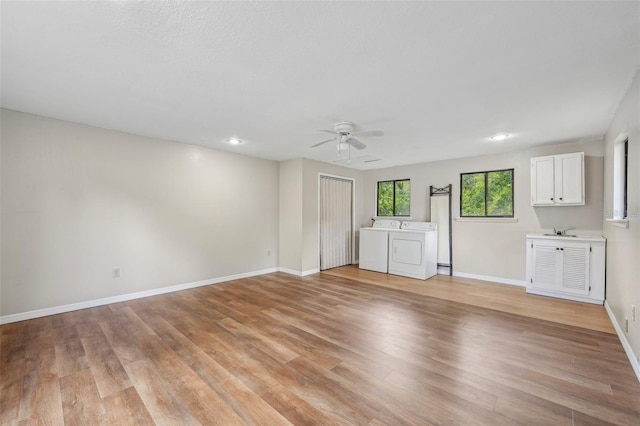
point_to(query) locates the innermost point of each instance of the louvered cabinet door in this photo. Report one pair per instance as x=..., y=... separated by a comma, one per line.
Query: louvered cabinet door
x=566, y=267
x=561, y=266
x=546, y=265
x=575, y=268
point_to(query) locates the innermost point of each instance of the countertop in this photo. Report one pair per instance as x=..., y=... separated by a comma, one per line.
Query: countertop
x=567, y=237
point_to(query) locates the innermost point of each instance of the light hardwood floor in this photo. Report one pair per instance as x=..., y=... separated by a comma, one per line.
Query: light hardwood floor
x=500, y=297
x=341, y=347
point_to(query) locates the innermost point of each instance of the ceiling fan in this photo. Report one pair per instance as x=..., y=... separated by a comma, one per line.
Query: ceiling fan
x=344, y=134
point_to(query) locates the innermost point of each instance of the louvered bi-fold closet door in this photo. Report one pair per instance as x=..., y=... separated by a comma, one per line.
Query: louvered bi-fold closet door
x=336, y=222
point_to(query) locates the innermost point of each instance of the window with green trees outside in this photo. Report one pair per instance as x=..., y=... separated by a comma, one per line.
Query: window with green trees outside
x=486, y=194
x=394, y=198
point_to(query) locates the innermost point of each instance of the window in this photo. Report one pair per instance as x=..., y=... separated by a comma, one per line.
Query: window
x=620, y=175
x=486, y=194
x=394, y=198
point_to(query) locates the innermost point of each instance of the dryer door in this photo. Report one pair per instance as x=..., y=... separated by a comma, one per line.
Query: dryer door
x=406, y=251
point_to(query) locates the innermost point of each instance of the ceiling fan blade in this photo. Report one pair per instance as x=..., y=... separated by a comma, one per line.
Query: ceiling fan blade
x=370, y=133
x=323, y=142
x=356, y=143
x=327, y=131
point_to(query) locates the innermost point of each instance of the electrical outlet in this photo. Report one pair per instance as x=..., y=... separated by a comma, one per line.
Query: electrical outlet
x=268, y=252
x=633, y=313
x=116, y=272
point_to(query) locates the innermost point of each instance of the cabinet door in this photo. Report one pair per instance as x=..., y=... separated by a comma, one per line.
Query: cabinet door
x=569, y=177
x=542, y=181
x=546, y=265
x=575, y=268
x=561, y=266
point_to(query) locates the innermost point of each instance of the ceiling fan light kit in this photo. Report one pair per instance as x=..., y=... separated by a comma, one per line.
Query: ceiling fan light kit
x=342, y=146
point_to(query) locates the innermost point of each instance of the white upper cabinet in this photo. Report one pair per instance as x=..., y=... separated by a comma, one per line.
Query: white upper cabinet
x=542, y=181
x=558, y=180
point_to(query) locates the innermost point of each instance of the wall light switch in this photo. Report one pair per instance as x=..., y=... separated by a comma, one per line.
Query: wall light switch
x=116, y=272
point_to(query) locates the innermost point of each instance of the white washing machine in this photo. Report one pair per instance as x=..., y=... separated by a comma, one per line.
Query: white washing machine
x=374, y=245
x=413, y=250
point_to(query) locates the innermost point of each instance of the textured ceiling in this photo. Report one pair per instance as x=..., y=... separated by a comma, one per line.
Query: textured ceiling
x=438, y=78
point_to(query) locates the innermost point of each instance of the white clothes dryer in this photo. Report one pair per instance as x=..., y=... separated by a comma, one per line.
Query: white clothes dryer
x=413, y=250
x=374, y=245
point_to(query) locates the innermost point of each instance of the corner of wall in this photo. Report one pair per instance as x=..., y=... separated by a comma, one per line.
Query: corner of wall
x=623, y=243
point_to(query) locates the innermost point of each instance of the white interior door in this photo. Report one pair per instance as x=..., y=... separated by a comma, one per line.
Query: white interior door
x=336, y=222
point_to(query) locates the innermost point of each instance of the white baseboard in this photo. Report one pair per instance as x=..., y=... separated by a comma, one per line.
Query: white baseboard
x=492, y=279
x=290, y=271
x=299, y=273
x=576, y=298
x=633, y=359
x=5, y=319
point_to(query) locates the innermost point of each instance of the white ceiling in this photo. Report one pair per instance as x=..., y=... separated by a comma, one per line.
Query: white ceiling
x=438, y=78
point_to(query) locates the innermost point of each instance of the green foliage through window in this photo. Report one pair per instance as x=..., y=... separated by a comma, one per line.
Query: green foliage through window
x=486, y=194
x=394, y=198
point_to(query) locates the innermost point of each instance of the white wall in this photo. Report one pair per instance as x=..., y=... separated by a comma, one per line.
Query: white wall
x=623, y=244
x=299, y=250
x=290, y=240
x=78, y=201
x=497, y=249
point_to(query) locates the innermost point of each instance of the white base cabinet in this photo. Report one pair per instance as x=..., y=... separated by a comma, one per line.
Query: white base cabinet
x=566, y=267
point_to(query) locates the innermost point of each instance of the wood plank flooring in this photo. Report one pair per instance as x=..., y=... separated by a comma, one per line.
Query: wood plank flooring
x=500, y=297
x=340, y=347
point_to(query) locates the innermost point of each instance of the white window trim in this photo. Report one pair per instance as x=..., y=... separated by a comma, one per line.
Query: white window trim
x=488, y=219
x=400, y=218
x=618, y=180
x=620, y=223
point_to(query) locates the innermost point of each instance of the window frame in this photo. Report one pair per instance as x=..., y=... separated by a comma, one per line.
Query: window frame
x=621, y=179
x=393, y=181
x=625, y=178
x=486, y=185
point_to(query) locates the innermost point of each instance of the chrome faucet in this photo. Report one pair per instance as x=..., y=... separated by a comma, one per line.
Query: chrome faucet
x=559, y=231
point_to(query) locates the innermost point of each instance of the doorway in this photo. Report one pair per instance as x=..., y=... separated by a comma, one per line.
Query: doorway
x=336, y=221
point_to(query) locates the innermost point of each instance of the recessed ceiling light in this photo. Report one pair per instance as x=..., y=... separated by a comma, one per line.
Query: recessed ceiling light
x=234, y=141
x=500, y=137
